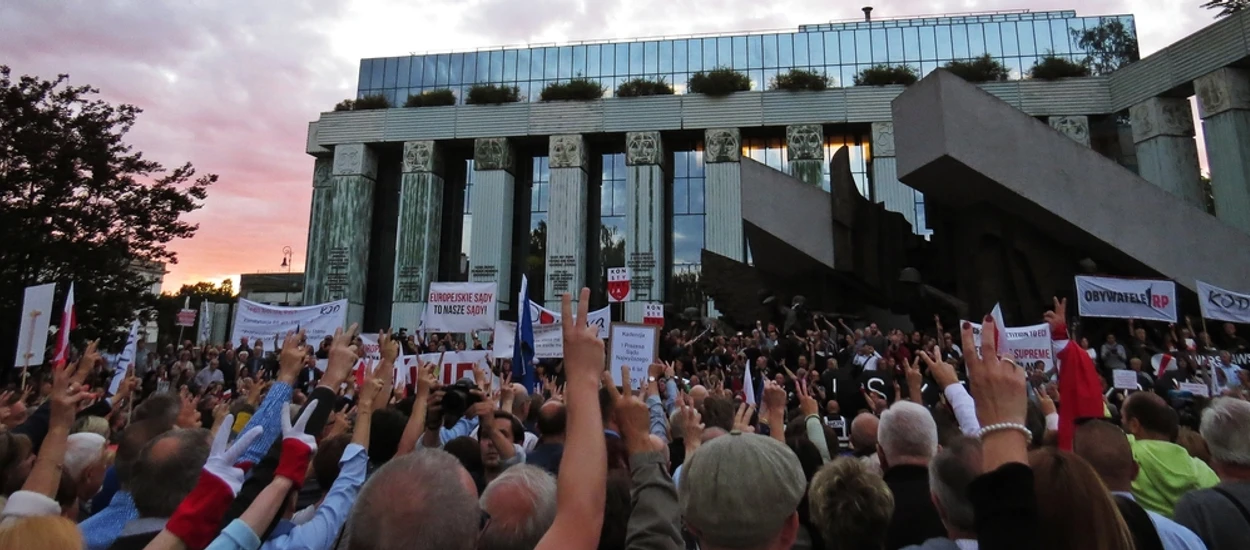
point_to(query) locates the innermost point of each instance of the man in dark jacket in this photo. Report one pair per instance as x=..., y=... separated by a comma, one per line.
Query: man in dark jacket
x=907, y=440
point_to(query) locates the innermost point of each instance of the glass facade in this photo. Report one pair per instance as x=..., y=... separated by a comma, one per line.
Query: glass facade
x=772, y=152
x=839, y=50
x=611, y=215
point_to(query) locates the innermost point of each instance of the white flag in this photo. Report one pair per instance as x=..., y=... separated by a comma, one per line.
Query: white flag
x=127, y=358
x=748, y=387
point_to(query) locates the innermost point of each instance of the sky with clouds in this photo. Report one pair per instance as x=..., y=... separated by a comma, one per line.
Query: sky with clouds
x=231, y=85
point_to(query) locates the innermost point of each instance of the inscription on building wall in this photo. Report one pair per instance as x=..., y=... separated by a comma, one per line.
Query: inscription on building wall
x=561, y=270
x=337, y=266
x=642, y=270
x=408, y=284
x=483, y=273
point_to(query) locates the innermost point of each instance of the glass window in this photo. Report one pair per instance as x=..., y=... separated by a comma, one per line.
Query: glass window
x=392, y=67
x=755, y=52
x=976, y=40
x=724, y=51
x=681, y=196
x=847, y=41
x=429, y=72
x=863, y=46
x=959, y=40
x=911, y=44
x=894, y=41
x=1060, y=37
x=607, y=60
x=880, y=53
x=496, y=66
x=816, y=49
x=927, y=44
x=848, y=74
x=710, y=60
x=832, y=55
x=650, y=58
x=993, y=40
x=566, y=62
x=366, y=75
x=622, y=59
x=785, y=51
x=551, y=66
x=740, y=52
x=1041, y=35
x=680, y=56
x=509, y=66
x=536, y=64
x=470, y=68
x=457, y=69
x=635, y=59
x=801, y=58
x=1026, y=40
x=1011, y=42
x=666, y=56
x=414, y=74
x=943, y=38
x=579, y=60
x=592, y=61
x=443, y=74
x=402, y=78
x=687, y=239
x=770, y=50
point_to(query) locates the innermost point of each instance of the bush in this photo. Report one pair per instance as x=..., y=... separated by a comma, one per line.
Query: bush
x=1053, y=67
x=490, y=94
x=639, y=87
x=431, y=98
x=377, y=101
x=981, y=69
x=886, y=75
x=577, y=89
x=720, y=81
x=798, y=79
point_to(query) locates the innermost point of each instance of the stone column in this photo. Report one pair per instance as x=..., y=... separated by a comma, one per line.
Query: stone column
x=494, y=190
x=1075, y=127
x=1167, y=155
x=351, y=218
x=805, y=147
x=722, y=188
x=887, y=190
x=1224, y=104
x=645, y=238
x=566, y=218
x=417, y=233
x=318, y=231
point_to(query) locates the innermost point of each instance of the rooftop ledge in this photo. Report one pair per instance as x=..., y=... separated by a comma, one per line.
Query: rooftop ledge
x=860, y=104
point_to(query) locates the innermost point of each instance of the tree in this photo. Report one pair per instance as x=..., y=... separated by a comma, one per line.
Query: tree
x=536, y=263
x=1108, y=46
x=78, y=204
x=981, y=69
x=1226, y=7
x=611, y=251
x=887, y=75
x=169, y=304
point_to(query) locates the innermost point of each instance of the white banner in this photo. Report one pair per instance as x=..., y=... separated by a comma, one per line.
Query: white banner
x=127, y=358
x=456, y=364
x=1144, y=299
x=1223, y=305
x=460, y=307
x=1027, y=345
x=256, y=321
x=540, y=315
x=205, y=331
x=32, y=338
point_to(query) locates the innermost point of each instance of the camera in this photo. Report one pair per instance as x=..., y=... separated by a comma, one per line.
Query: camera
x=460, y=397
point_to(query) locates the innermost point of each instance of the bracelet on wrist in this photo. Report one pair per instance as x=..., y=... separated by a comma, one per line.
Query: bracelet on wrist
x=1006, y=426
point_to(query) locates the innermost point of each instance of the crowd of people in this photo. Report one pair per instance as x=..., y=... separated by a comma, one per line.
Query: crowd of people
x=812, y=434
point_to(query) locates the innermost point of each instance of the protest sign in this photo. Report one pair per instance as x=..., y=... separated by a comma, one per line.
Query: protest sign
x=548, y=332
x=186, y=318
x=1126, y=298
x=36, y=315
x=1196, y=388
x=1025, y=345
x=460, y=307
x=618, y=284
x=1125, y=379
x=634, y=346
x=542, y=316
x=1223, y=305
x=256, y=321
x=653, y=314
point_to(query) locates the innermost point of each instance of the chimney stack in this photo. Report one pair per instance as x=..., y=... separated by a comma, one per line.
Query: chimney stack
x=868, y=13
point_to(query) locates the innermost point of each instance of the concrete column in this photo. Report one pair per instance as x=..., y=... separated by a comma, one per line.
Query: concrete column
x=1224, y=105
x=318, y=231
x=805, y=147
x=1167, y=155
x=1075, y=127
x=887, y=190
x=645, y=238
x=417, y=234
x=494, y=188
x=566, y=217
x=351, y=218
x=722, y=198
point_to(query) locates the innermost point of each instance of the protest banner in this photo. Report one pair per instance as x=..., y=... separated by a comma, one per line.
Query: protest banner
x=1223, y=305
x=1027, y=345
x=257, y=321
x=601, y=318
x=1144, y=299
x=32, y=338
x=634, y=346
x=127, y=358
x=460, y=307
x=548, y=342
x=1125, y=379
x=618, y=284
x=653, y=314
x=186, y=318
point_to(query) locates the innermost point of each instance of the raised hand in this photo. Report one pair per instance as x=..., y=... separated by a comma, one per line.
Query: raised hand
x=634, y=422
x=342, y=358
x=87, y=363
x=427, y=379
x=387, y=347
x=999, y=385
x=943, y=373
x=1057, y=318
x=291, y=357
x=583, y=350
x=297, y=446
x=807, y=404
x=774, y=396
x=742, y=420
x=222, y=457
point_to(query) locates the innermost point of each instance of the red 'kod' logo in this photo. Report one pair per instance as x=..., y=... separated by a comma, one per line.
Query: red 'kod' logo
x=618, y=284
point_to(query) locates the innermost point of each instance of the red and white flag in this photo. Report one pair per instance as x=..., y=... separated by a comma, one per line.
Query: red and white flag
x=68, y=323
x=1000, y=331
x=1162, y=363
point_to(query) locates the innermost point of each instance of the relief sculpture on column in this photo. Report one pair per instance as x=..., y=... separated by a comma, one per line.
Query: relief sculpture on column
x=1075, y=127
x=883, y=139
x=492, y=154
x=567, y=151
x=805, y=142
x=419, y=156
x=722, y=145
x=643, y=148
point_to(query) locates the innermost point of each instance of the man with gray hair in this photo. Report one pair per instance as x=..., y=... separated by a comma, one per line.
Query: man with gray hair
x=907, y=439
x=950, y=474
x=166, y=471
x=429, y=488
x=519, y=507
x=1221, y=515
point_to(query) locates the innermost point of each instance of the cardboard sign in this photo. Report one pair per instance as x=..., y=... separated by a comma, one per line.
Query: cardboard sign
x=1196, y=388
x=460, y=307
x=1027, y=345
x=653, y=314
x=618, y=284
x=635, y=346
x=1126, y=298
x=186, y=318
x=32, y=339
x=1125, y=379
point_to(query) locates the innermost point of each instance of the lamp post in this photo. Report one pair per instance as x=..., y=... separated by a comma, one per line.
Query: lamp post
x=286, y=262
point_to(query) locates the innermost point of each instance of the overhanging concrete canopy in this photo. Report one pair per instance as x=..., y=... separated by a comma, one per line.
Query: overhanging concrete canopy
x=962, y=146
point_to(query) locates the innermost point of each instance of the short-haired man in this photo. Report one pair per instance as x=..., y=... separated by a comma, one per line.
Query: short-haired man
x=552, y=418
x=168, y=467
x=102, y=529
x=520, y=505
x=906, y=442
x=86, y=463
x=950, y=475
x=419, y=501
x=1167, y=470
x=1218, y=515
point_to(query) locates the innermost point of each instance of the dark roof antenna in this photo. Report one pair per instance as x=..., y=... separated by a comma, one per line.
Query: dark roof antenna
x=867, y=13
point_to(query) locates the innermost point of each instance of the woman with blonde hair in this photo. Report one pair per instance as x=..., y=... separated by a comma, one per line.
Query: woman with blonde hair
x=1075, y=510
x=42, y=532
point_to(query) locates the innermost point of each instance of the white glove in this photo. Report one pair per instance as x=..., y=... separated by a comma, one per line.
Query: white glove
x=297, y=431
x=221, y=459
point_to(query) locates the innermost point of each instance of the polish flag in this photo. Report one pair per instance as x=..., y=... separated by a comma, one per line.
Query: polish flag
x=1163, y=363
x=1000, y=330
x=68, y=322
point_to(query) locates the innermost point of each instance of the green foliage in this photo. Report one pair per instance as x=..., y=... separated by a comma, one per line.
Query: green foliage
x=430, y=98
x=1226, y=7
x=639, y=87
x=577, y=89
x=79, y=204
x=1053, y=67
x=490, y=94
x=168, y=305
x=346, y=105
x=886, y=75
x=376, y=101
x=799, y=79
x=720, y=81
x=981, y=69
x=1108, y=46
